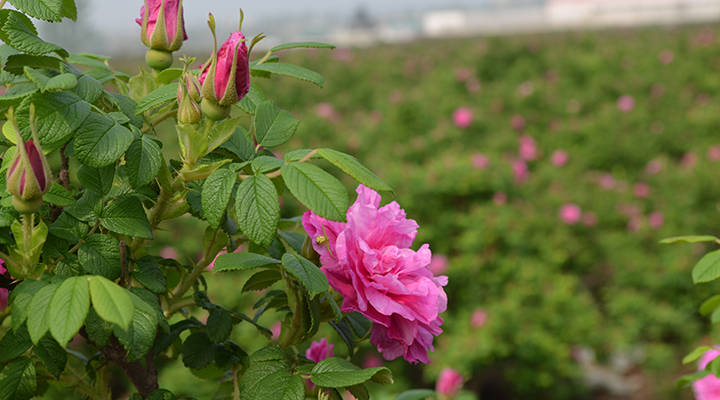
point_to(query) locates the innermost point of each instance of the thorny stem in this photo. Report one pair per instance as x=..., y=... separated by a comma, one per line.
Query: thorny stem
x=197, y=271
x=123, y=264
x=158, y=120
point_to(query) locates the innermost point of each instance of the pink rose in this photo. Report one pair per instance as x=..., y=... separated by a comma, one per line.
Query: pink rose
x=559, y=158
x=462, y=117
x=606, y=181
x=480, y=161
x=167, y=37
x=713, y=153
x=462, y=74
x=517, y=122
x=653, y=167
x=449, y=383
x=527, y=148
x=626, y=103
x=666, y=56
x=635, y=223
x=319, y=351
x=707, y=388
x=229, y=85
x=570, y=213
x=368, y=260
x=520, y=171
x=641, y=190
x=589, y=219
x=438, y=264
x=3, y=292
x=688, y=160
x=478, y=318
x=656, y=220
x=499, y=198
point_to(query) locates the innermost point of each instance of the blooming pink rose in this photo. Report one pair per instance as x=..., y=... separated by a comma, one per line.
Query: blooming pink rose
x=449, y=383
x=319, y=351
x=438, y=263
x=707, y=388
x=688, y=160
x=480, y=161
x=589, y=219
x=559, y=158
x=229, y=85
x=626, y=103
x=653, y=167
x=570, y=213
x=635, y=223
x=462, y=117
x=368, y=260
x=517, y=122
x=520, y=171
x=713, y=153
x=641, y=190
x=3, y=292
x=499, y=198
x=478, y=318
x=606, y=181
x=168, y=37
x=527, y=148
x=656, y=220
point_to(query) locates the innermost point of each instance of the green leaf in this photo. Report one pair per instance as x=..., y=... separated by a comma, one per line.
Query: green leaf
x=20, y=298
x=16, y=63
x=198, y=350
x=126, y=216
x=140, y=335
x=98, y=330
x=148, y=273
x=291, y=70
x=49, y=10
x=295, y=240
x=88, y=88
x=359, y=324
x=88, y=60
x=216, y=193
x=261, y=280
x=161, y=394
x=690, y=239
x=127, y=105
x=268, y=377
x=336, y=372
x=708, y=268
x=242, y=261
x=143, y=161
x=87, y=208
x=157, y=97
x=710, y=305
x=240, y=144
x=309, y=275
x=259, y=210
x=111, y=302
x=58, y=116
x=69, y=228
x=69, y=10
x=8, y=215
x=39, y=313
x=14, y=344
x=359, y=392
x=297, y=155
x=273, y=126
x=45, y=83
x=251, y=100
x=68, y=308
x=687, y=379
x=100, y=255
x=18, y=380
x=221, y=132
x=100, y=141
x=335, y=308
x=168, y=75
x=695, y=354
x=52, y=355
x=316, y=189
x=295, y=45
x=416, y=394
x=265, y=164
x=98, y=181
x=346, y=334
x=219, y=325
x=154, y=303
x=59, y=196
x=24, y=18
x=351, y=166
x=22, y=38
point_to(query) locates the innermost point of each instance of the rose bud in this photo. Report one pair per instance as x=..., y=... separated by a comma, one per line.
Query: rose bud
x=188, y=108
x=449, y=383
x=225, y=78
x=163, y=30
x=29, y=177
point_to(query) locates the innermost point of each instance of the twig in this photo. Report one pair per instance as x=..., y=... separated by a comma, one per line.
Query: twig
x=123, y=264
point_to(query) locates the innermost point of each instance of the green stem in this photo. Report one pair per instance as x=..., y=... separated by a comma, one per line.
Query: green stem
x=158, y=209
x=236, y=392
x=28, y=222
x=208, y=127
x=195, y=274
x=175, y=307
x=158, y=120
x=287, y=340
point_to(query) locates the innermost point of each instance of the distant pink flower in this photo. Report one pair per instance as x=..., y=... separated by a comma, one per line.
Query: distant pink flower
x=327, y=111
x=372, y=361
x=656, y=220
x=626, y=103
x=570, y=213
x=641, y=190
x=449, y=383
x=169, y=252
x=480, y=161
x=527, y=148
x=688, y=160
x=473, y=85
x=3, y=292
x=551, y=75
x=589, y=219
x=462, y=117
x=666, y=56
x=368, y=260
x=499, y=198
x=517, y=122
x=526, y=89
x=657, y=89
x=395, y=97
x=520, y=171
x=628, y=209
x=319, y=351
x=559, y=158
x=707, y=388
x=343, y=54
x=462, y=74
x=276, y=329
x=635, y=223
x=713, y=153
x=438, y=263
x=606, y=181
x=653, y=167
x=478, y=318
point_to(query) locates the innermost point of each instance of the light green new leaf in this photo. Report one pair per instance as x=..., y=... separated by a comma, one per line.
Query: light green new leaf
x=18, y=380
x=316, y=189
x=69, y=307
x=295, y=45
x=45, y=83
x=242, y=261
x=708, y=268
x=710, y=305
x=695, y=354
x=690, y=239
x=143, y=161
x=216, y=193
x=168, y=75
x=111, y=302
x=259, y=209
x=59, y=196
x=273, y=126
x=251, y=100
x=100, y=141
x=307, y=273
x=291, y=70
x=126, y=216
x=39, y=312
x=157, y=97
x=351, y=166
x=221, y=132
x=20, y=298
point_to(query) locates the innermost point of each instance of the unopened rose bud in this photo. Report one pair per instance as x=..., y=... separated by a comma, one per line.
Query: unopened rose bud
x=449, y=383
x=163, y=27
x=188, y=109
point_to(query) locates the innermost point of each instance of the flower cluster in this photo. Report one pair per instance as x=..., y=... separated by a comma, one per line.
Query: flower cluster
x=368, y=260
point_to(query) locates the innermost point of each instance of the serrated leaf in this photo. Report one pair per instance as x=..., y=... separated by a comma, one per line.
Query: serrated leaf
x=126, y=216
x=89, y=60
x=221, y=132
x=351, y=166
x=269, y=378
x=265, y=164
x=20, y=298
x=273, y=126
x=49, y=10
x=359, y=392
x=251, y=100
x=100, y=141
x=198, y=350
x=68, y=227
x=216, y=193
x=98, y=181
x=261, y=280
x=127, y=105
x=335, y=308
x=259, y=209
x=69, y=307
x=111, y=302
x=52, y=355
x=69, y=10
x=100, y=255
x=316, y=189
x=359, y=324
x=39, y=313
x=240, y=144
x=708, y=268
x=295, y=240
x=157, y=97
x=219, y=325
x=291, y=70
x=22, y=38
x=143, y=161
x=59, y=196
x=4, y=13
x=98, y=330
x=148, y=273
x=168, y=75
x=45, y=83
x=343, y=329
x=695, y=354
x=18, y=380
x=307, y=273
x=334, y=372
x=8, y=215
x=88, y=88
x=690, y=239
x=14, y=344
x=242, y=261
x=295, y=45
x=58, y=116
x=16, y=63
x=87, y=208
x=140, y=335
